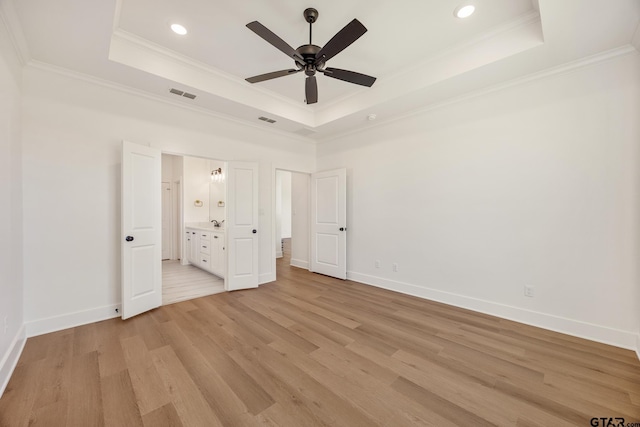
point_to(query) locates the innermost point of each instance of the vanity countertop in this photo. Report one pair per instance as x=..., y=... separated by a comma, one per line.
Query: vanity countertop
x=204, y=227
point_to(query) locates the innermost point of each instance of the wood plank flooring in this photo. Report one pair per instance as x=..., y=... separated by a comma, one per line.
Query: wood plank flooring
x=185, y=282
x=309, y=350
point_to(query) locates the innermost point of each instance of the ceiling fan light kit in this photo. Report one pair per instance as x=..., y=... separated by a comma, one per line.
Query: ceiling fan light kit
x=311, y=58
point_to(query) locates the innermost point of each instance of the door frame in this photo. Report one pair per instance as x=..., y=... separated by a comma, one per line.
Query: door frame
x=273, y=258
x=176, y=202
x=172, y=243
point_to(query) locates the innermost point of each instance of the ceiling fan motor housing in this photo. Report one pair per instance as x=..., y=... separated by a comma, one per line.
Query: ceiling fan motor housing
x=310, y=15
x=308, y=53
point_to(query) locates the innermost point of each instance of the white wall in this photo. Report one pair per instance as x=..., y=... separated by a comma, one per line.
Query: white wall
x=196, y=188
x=536, y=184
x=71, y=164
x=167, y=168
x=12, y=334
x=300, y=219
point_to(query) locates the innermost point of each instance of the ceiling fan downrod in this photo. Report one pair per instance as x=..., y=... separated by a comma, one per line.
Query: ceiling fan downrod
x=311, y=16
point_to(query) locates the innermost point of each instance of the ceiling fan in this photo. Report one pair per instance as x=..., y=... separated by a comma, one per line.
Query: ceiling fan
x=311, y=58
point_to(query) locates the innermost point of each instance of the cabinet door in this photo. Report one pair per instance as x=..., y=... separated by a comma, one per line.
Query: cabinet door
x=195, y=250
x=187, y=245
x=217, y=240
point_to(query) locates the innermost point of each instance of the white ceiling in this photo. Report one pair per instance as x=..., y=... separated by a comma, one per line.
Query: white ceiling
x=420, y=53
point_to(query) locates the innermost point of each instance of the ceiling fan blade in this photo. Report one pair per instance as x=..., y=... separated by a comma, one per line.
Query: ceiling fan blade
x=276, y=41
x=272, y=75
x=350, y=76
x=350, y=33
x=311, y=90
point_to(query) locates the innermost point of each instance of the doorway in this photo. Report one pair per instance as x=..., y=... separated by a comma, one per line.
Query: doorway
x=292, y=216
x=235, y=249
x=192, y=199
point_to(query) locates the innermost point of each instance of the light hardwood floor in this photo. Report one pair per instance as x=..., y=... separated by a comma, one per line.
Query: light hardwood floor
x=185, y=282
x=309, y=350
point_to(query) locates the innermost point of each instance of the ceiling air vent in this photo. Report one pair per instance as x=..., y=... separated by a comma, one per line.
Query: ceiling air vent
x=266, y=119
x=182, y=93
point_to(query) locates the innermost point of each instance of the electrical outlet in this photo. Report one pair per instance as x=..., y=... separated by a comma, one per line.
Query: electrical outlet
x=6, y=324
x=394, y=267
x=529, y=291
x=377, y=263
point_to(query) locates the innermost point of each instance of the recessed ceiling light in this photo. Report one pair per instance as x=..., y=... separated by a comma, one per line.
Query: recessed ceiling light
x=179, y=29
x=464, y=11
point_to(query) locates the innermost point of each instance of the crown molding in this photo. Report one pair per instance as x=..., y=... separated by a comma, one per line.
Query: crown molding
x=461, y=48
x=11, y=21
x=499, y=43
x=74, y=75
x=566, y=68
x=198, y=66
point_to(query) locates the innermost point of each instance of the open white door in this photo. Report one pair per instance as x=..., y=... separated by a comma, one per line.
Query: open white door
x=329, y=223
x=141, y=229
x=242, y=226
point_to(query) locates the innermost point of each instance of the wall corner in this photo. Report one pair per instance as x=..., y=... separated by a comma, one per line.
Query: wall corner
x=635, y=41
x=9, y=360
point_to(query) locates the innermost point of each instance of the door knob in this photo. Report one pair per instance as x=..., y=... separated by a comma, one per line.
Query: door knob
x=254, y=231
x=129, y=238
x=342, y=228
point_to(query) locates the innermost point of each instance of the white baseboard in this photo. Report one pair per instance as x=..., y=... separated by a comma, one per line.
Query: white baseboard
x=615, y=337
x=71, y=320
x=266, y=278
x=279, y=254
x=10, y=358
x=300, y=263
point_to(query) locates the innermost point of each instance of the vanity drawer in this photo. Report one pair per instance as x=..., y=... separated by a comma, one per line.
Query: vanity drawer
x=205, y=247
x=204, y=236
x=205, y=261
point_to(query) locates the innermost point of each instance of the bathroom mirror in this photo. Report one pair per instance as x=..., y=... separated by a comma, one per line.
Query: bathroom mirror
x=204, y=197
x=217, y=190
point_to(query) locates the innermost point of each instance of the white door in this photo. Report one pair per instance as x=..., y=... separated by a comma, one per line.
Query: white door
x=141, y=229
x=242, y=226
x=329, y=223
x=167, y=237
